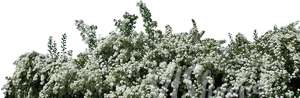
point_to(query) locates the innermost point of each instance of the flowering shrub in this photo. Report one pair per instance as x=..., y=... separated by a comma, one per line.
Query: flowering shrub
x=160, y=64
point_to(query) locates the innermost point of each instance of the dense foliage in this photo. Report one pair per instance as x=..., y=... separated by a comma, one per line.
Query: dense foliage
x=160, y=64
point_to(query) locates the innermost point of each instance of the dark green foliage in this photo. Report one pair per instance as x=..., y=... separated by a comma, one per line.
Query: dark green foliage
x=88, y=33
x=52, y=48
x=64, y=43
x=149, y=24
x=126, y=25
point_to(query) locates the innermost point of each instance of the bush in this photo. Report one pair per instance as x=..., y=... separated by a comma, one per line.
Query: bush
x=156, y=64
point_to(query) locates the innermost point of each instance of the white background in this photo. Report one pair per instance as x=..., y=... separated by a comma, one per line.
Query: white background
x=25, y=25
